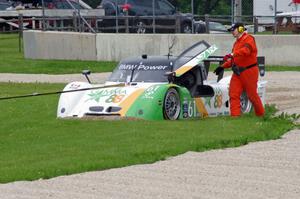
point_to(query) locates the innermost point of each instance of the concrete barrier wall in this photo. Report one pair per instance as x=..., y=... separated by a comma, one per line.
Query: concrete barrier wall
x=118, y=46
x=281, y=50
x=278, y=49
x=59, y=45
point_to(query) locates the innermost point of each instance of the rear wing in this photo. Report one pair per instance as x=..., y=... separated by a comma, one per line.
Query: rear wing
x=219, y=60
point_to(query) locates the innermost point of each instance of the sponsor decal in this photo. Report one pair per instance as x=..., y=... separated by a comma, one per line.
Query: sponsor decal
x=192, y=108
x=185, y=108
x=218, y=98
x=141, y=66
x=114, y=94
x=207, y=101
x=115, y=98
x=149, y=92
x=206, y=53
x=74, y=86
x=226, y=112
x=196, y=60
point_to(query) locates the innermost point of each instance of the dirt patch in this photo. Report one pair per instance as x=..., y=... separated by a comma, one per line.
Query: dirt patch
x=283, y=89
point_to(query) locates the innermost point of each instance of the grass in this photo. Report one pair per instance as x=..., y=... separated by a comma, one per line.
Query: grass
x=278, y=33
x=268, y=68
x=13, y=61
x=35, y=144
x=282, y=68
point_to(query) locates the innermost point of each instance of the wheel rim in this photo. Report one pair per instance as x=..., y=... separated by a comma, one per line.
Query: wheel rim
x=172, y=105
x=187, y=29
x=140, y=27
x=245, y=104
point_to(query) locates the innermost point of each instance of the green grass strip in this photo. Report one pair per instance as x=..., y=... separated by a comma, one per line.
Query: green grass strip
x=35, y=144
x=13, y=61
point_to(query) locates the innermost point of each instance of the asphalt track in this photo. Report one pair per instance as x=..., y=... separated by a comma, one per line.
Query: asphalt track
x=269, y=169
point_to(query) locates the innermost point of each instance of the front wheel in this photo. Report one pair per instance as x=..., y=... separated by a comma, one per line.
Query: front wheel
x=171, y=106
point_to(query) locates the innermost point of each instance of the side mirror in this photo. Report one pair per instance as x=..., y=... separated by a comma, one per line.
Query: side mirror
x=261, y=65
x=86, y=73
x=171, y=76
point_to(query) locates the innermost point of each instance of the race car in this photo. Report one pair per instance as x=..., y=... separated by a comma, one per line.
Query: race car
x=155, y=88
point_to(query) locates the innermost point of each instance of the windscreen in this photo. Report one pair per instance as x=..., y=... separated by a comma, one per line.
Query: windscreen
x=151, y=70
x=4, y=6
x=157, y=75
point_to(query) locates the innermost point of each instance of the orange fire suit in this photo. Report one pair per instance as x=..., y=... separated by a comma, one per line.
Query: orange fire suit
x=244, y=55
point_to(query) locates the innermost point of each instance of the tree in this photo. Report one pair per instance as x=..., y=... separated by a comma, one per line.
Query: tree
x=93, y=3
x=174, y=3
x=202, y=7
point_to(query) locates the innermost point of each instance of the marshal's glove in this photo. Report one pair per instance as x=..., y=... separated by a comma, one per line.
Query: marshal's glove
x=218, y=70
x=228, y=56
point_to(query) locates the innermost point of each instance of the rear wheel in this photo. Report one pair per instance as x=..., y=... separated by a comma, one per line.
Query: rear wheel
x=171, y=106
x=245, y=103
x=186, y=28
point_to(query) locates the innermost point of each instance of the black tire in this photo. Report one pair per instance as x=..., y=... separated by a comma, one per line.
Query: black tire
x=171, y=106
x=246, y=105
x=186, y=28
x=140, y=27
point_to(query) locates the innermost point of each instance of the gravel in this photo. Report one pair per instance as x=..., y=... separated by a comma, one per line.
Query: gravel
x=269, y=169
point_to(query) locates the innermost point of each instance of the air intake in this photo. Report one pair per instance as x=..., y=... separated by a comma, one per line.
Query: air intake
x=113, y=109
x=96, y=108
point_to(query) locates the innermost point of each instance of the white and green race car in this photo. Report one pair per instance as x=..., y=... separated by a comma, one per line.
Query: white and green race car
x=155, y=88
